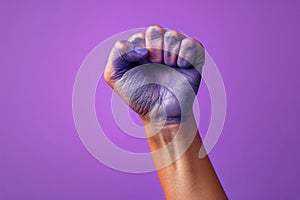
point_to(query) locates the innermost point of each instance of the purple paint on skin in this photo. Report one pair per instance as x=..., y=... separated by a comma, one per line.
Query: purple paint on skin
x=137, y=40
x=254, y=43
x=140, y=50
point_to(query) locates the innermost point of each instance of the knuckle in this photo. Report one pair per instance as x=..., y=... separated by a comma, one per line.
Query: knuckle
x=154, y=32
x=172, y=35
x=120, y=45
x=187, y=46
x=138, y=35
x=137, y=38
x=188, y=43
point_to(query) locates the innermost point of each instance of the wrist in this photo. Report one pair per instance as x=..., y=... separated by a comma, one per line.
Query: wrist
x=169, y=140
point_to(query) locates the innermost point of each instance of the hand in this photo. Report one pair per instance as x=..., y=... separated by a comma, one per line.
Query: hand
x=157, y=73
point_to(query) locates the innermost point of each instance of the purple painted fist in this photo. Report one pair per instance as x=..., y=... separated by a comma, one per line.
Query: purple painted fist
x=157, y=73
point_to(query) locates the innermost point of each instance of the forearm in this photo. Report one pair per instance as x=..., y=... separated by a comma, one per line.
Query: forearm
x=188, y=177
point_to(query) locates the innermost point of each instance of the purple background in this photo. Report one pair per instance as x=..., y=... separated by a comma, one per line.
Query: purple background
x=254, y=43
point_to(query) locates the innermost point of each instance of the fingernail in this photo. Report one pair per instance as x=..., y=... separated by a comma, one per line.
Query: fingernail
x=140, y=50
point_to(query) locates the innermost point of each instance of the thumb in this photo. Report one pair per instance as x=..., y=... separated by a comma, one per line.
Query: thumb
x=134, y=53
x=124, y=56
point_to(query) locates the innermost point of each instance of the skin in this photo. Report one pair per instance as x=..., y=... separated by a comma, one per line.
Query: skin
x=158, y=73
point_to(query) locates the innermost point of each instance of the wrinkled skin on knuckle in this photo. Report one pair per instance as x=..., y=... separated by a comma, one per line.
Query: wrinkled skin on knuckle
x=154, y=32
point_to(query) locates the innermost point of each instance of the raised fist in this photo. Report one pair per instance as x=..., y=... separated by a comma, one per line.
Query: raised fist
x=157, y=73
